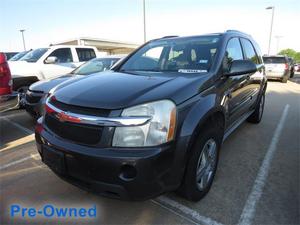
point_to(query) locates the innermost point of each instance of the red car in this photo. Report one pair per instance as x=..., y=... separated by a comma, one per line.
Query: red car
x=8, y=98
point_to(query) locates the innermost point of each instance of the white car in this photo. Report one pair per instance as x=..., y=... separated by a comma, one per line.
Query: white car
x=48, y=63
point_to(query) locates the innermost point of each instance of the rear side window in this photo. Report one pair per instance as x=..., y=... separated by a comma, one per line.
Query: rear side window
x=249, y=51
x=85, y=54
x=275, y=60
x=63, y=55
x=233, y=52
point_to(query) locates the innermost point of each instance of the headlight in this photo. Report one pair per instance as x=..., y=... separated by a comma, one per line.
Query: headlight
x=159, y=130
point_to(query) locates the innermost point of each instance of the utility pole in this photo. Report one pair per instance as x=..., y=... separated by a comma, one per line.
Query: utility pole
x=271, y=29
x=22, y=32
x=277, y=42
x=144, y=17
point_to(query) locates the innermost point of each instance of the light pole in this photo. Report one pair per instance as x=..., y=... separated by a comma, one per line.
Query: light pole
x=270, y=37
x=22, y=31
x=277, y=42
x=144, y=17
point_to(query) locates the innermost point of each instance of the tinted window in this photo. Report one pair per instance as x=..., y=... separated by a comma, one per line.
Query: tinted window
x=18, y=56
x=185, y=55
x=233, y=52
x=34, y=55
x=276, y=60
x=63, y=55
x=249, y=51
x=85, y=54
x=95, y=65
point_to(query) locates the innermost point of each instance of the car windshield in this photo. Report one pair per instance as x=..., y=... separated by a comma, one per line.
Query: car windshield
x=95, y=65
x=184, y=55
x=34, y=55
x=18, y=56
x=274, y=60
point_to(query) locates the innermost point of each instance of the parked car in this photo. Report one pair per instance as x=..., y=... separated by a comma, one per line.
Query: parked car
x=8, y=98
x=10, y=54
x=292, y=64
x=18, y=56
x=297, y=67
x=47, y=63
x=157, y=120
x=37, y=93
x=277, y=67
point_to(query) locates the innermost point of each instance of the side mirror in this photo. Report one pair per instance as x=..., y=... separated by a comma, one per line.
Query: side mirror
x=51, y=60
x=240, y=67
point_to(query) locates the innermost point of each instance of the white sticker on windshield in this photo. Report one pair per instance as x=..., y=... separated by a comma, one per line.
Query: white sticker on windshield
x=203, y=61
x=191, y=71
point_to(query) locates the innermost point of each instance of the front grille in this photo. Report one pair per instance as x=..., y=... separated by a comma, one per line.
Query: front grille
x=32, y=97
x=79, y=133
x=79, y=109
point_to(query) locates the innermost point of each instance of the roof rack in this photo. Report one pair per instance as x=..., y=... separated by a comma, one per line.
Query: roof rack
x=235, y=31
x=170, y=36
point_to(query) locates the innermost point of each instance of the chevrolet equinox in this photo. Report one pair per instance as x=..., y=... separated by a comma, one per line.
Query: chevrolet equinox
x=155, y=122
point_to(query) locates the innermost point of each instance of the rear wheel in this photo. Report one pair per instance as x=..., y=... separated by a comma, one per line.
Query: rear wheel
x=256, y=116
x=284, y=79
x=202, y=165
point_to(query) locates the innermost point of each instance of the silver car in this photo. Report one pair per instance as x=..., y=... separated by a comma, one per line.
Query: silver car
x=277, y=67
x=38, y=92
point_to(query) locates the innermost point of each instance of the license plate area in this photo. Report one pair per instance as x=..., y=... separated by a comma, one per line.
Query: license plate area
x=54, y=159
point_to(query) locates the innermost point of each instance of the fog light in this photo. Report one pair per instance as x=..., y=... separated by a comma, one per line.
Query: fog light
x=128, y=172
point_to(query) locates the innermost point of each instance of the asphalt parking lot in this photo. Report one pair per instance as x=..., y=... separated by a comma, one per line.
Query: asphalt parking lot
x=257, y=181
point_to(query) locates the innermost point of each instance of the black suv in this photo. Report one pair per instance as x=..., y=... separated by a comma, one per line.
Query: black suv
x=156, y=122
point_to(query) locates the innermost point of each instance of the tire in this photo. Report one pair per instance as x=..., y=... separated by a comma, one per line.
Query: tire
x=190, y=188
x=284, y=79
x=256, y=116
x=22, y=91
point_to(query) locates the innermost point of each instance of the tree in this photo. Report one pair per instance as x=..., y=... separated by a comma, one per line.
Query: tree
x=291, y=53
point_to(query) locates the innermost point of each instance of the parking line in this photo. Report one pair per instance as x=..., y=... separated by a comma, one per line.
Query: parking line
x=16, y=143
x=12, y=114
x=26, y=130
x=32, y=156
x=188, y=212
x=260, y=181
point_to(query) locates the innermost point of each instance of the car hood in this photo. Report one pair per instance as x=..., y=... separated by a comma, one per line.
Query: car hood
x=46, y=85
x=115, y=90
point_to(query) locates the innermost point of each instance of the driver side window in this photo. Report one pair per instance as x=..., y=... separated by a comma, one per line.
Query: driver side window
x=63, y=55
x=233, y=52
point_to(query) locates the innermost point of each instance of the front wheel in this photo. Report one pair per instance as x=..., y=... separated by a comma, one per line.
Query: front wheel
x=202, y=165
x=22, y=92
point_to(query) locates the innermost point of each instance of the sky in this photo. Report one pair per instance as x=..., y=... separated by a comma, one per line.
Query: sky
x=50, y=21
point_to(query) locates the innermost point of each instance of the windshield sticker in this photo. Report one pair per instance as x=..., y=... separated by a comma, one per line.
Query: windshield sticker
x=191, y=71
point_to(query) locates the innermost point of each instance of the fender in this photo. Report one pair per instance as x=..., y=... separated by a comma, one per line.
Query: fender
x=202, y=107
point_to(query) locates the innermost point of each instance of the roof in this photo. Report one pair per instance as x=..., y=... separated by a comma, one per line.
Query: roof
x=105, y=45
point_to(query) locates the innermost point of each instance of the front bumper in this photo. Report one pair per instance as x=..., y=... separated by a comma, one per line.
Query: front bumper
x=35, y=109
x=133, y=174
x=9, y=102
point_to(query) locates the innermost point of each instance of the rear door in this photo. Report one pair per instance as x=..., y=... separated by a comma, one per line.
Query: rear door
x=84, y=55
x=253, y=80
x=275, y=66
x=236, y=85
